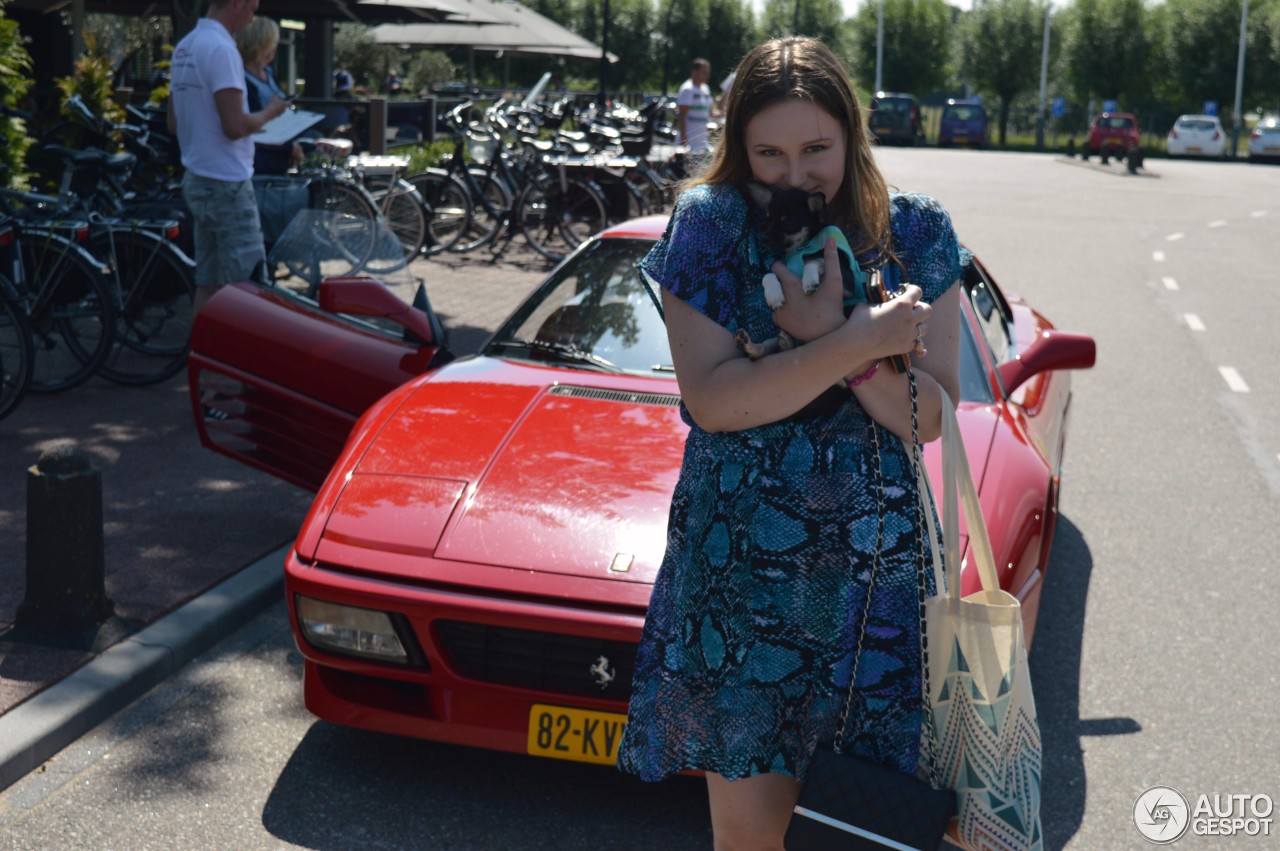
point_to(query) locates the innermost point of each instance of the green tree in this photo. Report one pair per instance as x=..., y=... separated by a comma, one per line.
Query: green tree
x=1000, y=48
x=917, y=39
x=632, y=26
x=1108, y=48
x=15, y=80
x=1262, y=63
x=1200, y=51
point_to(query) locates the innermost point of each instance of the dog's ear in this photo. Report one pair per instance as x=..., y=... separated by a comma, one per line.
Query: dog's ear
x=818, y=206
x=760, y=193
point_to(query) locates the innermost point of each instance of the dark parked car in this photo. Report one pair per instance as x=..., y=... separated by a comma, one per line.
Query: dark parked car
x=895, y=119
x=963, y=123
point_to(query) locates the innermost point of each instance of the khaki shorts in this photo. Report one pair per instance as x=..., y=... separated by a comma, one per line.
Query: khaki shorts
x=228, y=235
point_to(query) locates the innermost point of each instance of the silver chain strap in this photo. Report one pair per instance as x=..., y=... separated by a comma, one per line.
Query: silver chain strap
x=928, y=739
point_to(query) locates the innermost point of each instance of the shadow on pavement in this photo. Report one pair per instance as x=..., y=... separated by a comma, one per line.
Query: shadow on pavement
x=1055, y=663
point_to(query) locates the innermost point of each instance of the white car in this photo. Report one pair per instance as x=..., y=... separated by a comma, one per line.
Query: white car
x=1197, y=136
x=1264, y=141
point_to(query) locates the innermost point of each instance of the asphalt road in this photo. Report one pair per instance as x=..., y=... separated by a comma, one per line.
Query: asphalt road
x=1155, y=653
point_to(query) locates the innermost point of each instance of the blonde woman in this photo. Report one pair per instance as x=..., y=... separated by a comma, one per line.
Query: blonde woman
x=257, y=44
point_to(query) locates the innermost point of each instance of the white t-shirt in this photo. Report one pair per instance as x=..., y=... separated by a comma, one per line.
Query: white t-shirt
x=204, y=62
x=698, y=99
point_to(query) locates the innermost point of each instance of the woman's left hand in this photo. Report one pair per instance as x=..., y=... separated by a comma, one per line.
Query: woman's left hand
x=808, y=317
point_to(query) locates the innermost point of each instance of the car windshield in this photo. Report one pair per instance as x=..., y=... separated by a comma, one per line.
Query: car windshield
x=893, y=105
x=1195, y=124
x=1116, y=122
x=963, y=113
x=594, y=313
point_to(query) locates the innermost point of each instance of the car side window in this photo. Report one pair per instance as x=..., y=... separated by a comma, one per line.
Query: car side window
x=989, y=309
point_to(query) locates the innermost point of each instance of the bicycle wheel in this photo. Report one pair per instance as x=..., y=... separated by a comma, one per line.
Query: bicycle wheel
x=446, y=196
x=346, y=233
x=157, y=290
x=557, y=216
x=72, y=311
x=17, y=352
x=406, y=214
x=488, y=215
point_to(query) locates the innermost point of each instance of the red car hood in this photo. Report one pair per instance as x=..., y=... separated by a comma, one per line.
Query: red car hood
x=527, y=471
x=531, y=472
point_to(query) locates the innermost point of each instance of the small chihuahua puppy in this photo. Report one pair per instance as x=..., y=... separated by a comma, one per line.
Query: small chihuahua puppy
x=796, y=228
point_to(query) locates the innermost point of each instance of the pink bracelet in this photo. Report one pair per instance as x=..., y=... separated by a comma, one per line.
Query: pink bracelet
x=858, y=379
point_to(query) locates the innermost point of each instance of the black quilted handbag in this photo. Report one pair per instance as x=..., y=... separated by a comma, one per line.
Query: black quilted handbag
x=848, y=802
x=853, y=803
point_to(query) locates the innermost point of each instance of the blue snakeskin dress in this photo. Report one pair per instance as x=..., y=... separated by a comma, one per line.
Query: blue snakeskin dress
x=748, y=645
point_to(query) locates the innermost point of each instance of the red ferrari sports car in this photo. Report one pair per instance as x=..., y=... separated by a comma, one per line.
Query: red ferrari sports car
x=479, y=557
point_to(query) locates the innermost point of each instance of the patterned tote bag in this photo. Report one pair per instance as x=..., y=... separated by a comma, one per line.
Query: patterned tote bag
x=988, y=738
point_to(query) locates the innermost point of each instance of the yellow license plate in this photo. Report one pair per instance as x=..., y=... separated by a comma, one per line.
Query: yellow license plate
x=582, y=735
x=961, y=139
x=1195, y=149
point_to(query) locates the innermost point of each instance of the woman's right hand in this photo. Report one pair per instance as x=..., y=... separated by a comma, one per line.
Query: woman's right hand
x=894, y=325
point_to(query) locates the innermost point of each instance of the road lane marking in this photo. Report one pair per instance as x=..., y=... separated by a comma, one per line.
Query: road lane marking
x=1169, y=283
x=1174, y=237
x=1193, y=322
x=1257, y=214
x=1157, y=256
x=1233, y=379
x=1218, y=223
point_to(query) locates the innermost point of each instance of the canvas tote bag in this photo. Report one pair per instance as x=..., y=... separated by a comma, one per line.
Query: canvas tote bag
x=988, y=739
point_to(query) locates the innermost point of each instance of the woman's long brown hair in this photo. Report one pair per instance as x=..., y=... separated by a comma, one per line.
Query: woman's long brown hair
x=804, y=68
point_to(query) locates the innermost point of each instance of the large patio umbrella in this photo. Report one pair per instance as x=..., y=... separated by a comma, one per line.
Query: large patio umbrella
x=519, y=30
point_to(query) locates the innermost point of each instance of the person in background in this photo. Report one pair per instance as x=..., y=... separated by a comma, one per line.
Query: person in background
x=393, y=84
x=726, y=85
x=694, y=106
x=208, y=113
x=793, y=461
x=343, y=83
x=258, y=43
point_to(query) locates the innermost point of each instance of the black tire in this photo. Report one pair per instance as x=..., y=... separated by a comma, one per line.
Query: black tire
x=71, y=308
x=556, y=216
x=450, y=206
x=406, y=215
x=157, y=290
x=485, y=221
x=17, y=352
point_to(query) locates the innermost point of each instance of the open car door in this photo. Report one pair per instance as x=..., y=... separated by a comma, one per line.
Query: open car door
x=278, y=380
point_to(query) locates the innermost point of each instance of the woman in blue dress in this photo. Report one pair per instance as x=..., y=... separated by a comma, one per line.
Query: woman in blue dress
x=744, y=664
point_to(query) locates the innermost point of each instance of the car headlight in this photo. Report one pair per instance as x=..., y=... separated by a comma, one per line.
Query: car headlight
x=350, y=630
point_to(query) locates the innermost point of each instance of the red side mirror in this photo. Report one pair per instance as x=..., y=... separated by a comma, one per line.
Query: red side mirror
x=369, y=297
x=1050, y=350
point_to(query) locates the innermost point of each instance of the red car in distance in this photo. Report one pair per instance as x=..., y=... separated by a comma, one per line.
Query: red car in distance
x=1112, y=133
x=479, y=557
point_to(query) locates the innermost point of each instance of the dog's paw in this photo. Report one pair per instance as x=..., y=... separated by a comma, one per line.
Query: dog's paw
x=786, y=342
x=812, y=275
x=755, y=351
x=772, y=291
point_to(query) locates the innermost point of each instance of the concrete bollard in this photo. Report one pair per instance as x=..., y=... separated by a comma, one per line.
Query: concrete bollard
x=66, y=565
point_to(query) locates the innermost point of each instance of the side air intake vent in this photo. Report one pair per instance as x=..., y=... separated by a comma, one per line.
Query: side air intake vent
x=667, y=399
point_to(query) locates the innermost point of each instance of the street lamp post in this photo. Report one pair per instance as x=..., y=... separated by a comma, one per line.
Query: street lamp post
x=879, y=46
x=1235, y=119
x=1044, y=79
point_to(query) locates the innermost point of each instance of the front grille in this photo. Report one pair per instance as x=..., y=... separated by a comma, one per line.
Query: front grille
x=546, y=661
x=601, y=394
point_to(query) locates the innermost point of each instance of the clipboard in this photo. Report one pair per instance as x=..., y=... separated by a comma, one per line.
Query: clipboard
x=287, y=126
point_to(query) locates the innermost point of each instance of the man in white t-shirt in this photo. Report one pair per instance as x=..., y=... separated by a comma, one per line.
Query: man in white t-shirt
x=208, y=111
x=693, y=107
